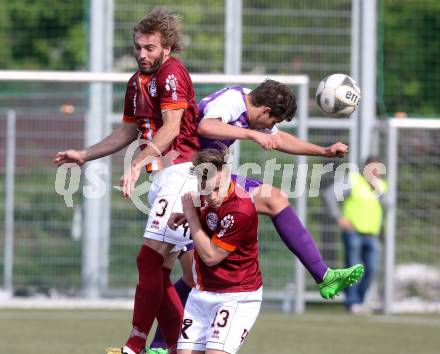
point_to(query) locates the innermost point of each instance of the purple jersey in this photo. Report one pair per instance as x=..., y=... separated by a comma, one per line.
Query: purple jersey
x=229, y=104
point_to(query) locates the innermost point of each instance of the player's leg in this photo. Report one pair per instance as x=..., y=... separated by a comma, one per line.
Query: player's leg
x=233, y=320
x=170, y=314
x=178, y=182
x=196, y=322
x=149, y=292
x=273, y=202
x=353, y=247
x=183, y=287
x=371, y=260
x=164, y=197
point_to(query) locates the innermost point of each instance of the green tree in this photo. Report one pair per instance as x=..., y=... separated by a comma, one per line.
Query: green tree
x=411, y=48
x=46, y=34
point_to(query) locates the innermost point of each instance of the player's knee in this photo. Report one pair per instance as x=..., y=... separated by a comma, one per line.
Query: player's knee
x=278, y=196
x=277, y=202
x=144, y=292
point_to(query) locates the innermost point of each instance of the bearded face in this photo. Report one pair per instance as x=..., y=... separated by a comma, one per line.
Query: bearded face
x=147, y=67
x=148, y=51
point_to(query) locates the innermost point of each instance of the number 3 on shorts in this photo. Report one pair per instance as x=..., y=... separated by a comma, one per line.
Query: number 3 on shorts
x=162, y=207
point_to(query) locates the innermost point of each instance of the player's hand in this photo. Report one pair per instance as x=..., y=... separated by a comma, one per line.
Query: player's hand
x=188, y=207
x=175, y=220
x=70, y=156
x=336, y=150
x=266, y=141
x=345, y=224
x=128, y=181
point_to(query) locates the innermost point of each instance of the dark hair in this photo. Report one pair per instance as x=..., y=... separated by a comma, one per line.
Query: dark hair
x=160, y=20
x=215, y=157
x=278, y=97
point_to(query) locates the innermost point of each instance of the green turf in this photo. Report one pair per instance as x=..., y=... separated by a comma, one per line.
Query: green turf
x=322, y=330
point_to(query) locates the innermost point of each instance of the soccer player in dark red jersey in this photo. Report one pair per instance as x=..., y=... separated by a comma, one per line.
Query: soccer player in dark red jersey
x=226, y=298
x=159, y=108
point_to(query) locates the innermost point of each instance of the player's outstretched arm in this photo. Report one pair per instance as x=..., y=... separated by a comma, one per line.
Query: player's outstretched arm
x=160, y=142
x=290, y=144
x=208, y=251
x=115, y=141
x=212, y=128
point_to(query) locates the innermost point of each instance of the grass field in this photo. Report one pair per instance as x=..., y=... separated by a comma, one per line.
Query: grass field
x=322, y=330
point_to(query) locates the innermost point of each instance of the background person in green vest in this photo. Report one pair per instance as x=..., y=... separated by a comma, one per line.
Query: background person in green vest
x=362, y=196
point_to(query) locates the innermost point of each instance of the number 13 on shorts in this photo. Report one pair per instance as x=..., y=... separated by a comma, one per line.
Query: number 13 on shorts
x=231, y=325
x=218, y=321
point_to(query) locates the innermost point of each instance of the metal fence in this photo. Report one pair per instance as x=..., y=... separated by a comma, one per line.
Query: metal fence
x=58, y=248
x=278, y=37
x=411, y=264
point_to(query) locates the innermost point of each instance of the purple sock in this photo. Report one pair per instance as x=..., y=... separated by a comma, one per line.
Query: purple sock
x=183, y=291
x=300, y=242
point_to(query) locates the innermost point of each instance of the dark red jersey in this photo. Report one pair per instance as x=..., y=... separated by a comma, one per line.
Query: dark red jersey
x=147, y=96
x=233, y=227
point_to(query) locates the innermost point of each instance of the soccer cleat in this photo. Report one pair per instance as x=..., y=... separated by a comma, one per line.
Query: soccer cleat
x=157, y=351
x=336, y=280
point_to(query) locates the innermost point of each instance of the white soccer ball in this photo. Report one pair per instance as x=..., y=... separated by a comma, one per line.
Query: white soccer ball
x=338, y=95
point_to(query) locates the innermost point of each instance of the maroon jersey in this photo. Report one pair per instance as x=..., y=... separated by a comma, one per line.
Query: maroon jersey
x=167, y=89
x=233, y=227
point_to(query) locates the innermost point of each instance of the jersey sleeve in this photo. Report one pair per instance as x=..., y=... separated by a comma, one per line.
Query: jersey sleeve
x=224, y=107
x=129, y=102
x=233, y=227
x=174, y=86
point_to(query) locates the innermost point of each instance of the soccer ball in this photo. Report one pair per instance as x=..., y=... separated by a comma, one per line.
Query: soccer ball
x=338, y=95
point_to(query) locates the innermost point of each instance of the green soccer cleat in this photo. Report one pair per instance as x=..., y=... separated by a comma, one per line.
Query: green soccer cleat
x=157, y=351
x=336, y=280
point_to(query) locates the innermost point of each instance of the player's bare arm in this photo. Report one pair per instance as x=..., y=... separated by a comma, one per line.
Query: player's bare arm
x=160, y=142
x=290, y=144
x=176, y=220
x=118, y=139
x=208, y=251
x=215, y=129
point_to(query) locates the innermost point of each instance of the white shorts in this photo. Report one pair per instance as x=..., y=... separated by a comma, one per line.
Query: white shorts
x=164, y=198
x=218, y=321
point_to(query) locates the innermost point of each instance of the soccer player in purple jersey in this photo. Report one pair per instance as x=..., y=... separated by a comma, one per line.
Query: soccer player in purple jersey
x=239, y=113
